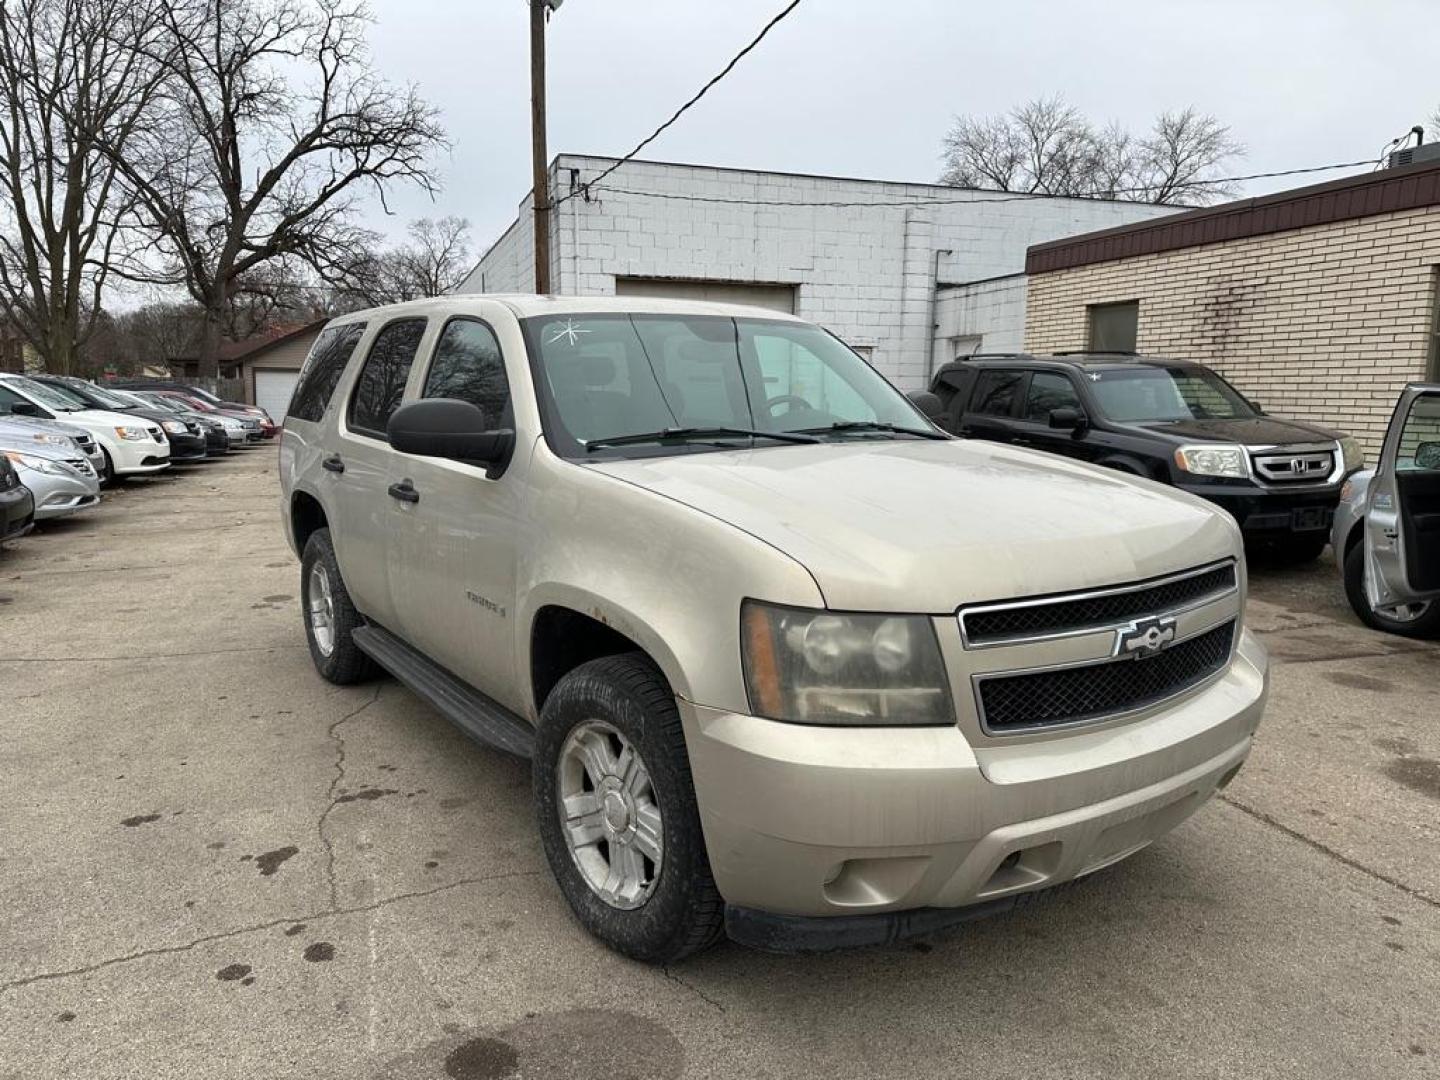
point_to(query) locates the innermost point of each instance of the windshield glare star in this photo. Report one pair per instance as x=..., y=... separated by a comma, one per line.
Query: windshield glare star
x=569, y=332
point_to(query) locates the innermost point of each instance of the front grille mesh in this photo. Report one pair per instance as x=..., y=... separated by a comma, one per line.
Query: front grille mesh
x=1065, y=616
x=1041, y=698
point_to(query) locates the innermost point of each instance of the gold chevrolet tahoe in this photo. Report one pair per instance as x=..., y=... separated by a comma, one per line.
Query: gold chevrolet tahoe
x=789, y=662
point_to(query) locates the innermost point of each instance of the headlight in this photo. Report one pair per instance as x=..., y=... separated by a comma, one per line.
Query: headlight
x=1353, y=452
x=174, y=427
x=820, y=667
x=1214, y=459
x=54, y=440
x=133, y=434
x=36, y=464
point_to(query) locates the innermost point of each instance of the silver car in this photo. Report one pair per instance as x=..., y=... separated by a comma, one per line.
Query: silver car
x=23, y=431
x=1386, y=534
x=61, y=480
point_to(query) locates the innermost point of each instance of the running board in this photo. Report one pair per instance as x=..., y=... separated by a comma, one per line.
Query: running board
x=484, y=720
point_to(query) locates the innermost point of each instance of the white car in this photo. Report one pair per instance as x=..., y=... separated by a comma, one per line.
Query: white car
x=132, y=446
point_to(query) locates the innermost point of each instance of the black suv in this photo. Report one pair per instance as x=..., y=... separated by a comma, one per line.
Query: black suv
x=1172, y=421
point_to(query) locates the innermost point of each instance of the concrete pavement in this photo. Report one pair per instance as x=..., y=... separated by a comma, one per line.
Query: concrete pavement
x=213, y=864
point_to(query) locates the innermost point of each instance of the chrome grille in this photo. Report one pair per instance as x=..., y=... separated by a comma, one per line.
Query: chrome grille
x=1090, y=691
x=1080, y=613
x=1279, y=467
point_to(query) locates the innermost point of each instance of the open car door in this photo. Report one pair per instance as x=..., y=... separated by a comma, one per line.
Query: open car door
x=1402, y=520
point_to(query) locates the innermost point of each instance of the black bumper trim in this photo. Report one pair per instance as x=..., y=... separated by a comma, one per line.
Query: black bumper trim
x=773, y=933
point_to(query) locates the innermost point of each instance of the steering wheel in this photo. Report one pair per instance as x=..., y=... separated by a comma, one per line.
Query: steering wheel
x=792, y=400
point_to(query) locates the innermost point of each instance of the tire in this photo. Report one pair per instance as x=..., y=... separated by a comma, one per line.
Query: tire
x=625, y=700
x=338, y=659
x=108, y=478
x=1424, y=625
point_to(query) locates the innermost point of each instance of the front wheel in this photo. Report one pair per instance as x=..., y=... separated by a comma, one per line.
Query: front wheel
x=1417, y=620
x=617, y=814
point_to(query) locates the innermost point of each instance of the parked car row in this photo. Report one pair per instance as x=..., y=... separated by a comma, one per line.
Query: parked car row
x=62, y=439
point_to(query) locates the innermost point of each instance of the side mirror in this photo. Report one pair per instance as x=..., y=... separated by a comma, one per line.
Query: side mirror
x=449, y=428
x=25, y=408
x=928, y=403
x=1067, y=419
x=1427, y=455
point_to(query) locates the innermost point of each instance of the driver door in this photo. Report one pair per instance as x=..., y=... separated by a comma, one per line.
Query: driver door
x=1402, y=520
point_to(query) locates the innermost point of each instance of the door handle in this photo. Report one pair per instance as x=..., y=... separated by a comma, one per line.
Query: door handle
x=405, y=492
x=333, y=464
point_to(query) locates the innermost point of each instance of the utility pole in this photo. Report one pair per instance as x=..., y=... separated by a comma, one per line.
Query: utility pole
x=540, y=166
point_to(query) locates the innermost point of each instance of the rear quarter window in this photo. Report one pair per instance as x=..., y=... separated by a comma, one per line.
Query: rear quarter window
x=322, y=370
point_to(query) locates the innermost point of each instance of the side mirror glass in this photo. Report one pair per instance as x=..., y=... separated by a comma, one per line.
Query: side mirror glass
x=1427, y=455
x=1067, y=419
x=928, y=403
x=25, y=408
x=449, y=428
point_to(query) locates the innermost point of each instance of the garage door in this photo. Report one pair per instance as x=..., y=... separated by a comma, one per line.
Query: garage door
x=775, y=297
x=273, y=390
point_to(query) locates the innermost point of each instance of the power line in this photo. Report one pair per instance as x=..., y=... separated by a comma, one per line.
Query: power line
x=942, y=199
x=585, y=188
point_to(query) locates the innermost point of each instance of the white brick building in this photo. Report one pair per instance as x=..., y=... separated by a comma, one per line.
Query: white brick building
x=886, y=266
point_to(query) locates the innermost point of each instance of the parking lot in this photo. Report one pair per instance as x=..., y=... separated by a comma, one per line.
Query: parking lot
x=215, y=864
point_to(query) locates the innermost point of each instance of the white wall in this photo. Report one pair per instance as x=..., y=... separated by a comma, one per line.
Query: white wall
x=864, y=271
x=991, y=311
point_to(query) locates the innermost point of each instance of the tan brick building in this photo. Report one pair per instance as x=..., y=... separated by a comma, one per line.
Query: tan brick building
x=1320, y=303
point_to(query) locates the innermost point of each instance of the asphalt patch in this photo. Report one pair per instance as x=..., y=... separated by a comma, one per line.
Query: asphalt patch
x=368, y=794
x=233, y=972
x=139, y=819
x=319, y=952
x=1360, y=682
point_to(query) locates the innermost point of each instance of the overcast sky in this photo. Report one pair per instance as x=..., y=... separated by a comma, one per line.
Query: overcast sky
x=867, y=88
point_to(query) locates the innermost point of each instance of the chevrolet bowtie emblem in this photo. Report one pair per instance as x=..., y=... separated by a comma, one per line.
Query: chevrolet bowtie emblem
x=1144, y=637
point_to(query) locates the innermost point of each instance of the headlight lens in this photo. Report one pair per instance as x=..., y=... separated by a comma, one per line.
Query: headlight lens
x=1354, y=453
x=54, y=440
x=1215, y=459
x=36, y=464
x=820, y=667
x=174, y=427
x=133, y=434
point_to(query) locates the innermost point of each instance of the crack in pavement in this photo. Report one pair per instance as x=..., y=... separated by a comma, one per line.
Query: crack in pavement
x=269, y=924
x=691, y=987
x=1345, y=860
x=144, y=656
x=333, y=733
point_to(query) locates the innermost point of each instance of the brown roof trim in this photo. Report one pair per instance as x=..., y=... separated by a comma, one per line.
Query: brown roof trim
x=1347, y=199
x=272, y=343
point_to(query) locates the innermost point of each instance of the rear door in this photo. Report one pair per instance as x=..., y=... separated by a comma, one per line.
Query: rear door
x=990, y=412
x=368, y=513
x=1402, y=520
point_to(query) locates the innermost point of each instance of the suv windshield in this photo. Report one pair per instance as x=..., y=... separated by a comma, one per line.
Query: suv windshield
x=49, y=396
x=1153, y=394
x=100, y=398
x=603, y=377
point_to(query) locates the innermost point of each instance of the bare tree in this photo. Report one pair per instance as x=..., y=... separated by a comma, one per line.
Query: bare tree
x=73, y=73
x=255, y=163
x=434, y=262
x=1048, y=147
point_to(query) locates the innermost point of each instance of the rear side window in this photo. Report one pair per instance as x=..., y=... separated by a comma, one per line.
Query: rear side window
x=995, y=393
x=468, y=366
x=322, y=370
x=382, y=380
x=1047, y=393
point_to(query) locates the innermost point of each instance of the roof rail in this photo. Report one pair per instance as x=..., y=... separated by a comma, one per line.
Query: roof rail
x=992, y=356
x=1096, y=352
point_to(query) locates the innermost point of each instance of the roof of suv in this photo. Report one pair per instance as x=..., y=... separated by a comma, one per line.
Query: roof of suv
x=1089, y=361
x=525, y=305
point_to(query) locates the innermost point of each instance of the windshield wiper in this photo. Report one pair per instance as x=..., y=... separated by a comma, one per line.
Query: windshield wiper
x=878, y=425
x=692, y=434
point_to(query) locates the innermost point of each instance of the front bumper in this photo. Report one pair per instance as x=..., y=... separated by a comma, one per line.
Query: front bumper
x=828, y=822
x=56, y=496
x=17, y=509
x=139, y=456
x=187, y=448
x=1270, y=511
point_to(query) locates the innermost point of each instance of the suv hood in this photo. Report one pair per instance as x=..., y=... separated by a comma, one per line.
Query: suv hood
x=1258, y=431
x=927, y=526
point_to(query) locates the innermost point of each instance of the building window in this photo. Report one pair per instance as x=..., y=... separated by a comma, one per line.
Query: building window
x=1113, y=327
x=1432, y=368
